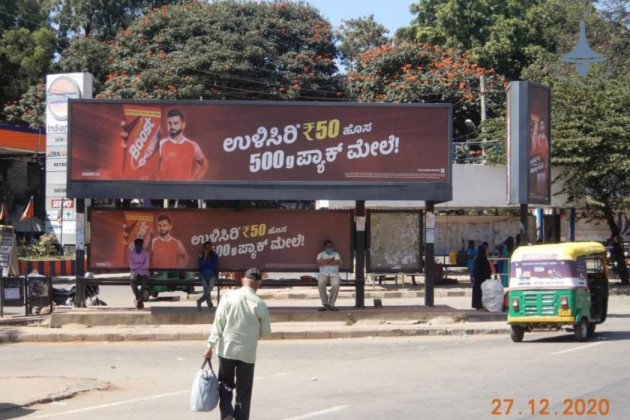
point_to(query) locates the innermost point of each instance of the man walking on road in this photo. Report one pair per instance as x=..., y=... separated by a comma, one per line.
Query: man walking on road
x=241, y=319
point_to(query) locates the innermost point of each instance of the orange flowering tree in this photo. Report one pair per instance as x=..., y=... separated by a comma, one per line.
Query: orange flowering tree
x=417, y=72
x=224, y=50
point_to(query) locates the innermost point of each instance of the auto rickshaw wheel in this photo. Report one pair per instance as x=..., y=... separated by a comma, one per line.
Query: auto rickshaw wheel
x=581, y=330
x=591, y=328
x=145, y=295
x=516, y=333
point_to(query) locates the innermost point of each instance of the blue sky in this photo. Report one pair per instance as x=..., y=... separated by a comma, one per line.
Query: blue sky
x=390, y=13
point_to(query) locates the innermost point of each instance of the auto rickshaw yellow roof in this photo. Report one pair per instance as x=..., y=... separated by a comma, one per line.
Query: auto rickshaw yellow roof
x=566, y=252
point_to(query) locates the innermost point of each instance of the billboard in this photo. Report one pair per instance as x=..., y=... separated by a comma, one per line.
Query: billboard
x=539, y=191
x=259, y=150
x=272, y=240
x=528, y=143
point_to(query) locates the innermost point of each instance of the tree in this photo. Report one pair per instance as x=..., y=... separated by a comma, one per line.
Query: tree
x=101, y=19
x=30, y=109
x=591, y=141
x=417, y=72
x=357, y=36
x=87, y=54
x=503, y=35
x=26, y=46
x=227, y=49
x=28, y=56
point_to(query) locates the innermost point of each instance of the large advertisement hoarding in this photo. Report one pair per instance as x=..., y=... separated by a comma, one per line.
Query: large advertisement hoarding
x=272, y=240
x=539, y=191
x=186, y=148
x=528, y=143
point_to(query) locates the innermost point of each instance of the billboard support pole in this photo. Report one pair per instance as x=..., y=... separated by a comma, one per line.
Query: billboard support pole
x=524, y=227
x=429, y=258
x=359, y=283
x=572, y=216
x=79, y=300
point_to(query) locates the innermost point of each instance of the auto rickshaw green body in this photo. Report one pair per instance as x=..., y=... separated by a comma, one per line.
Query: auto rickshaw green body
x=558, y=285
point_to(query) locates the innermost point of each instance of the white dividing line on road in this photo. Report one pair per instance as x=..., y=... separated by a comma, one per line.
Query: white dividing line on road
x=319, y=413
x=576, y=348
x=114, y=404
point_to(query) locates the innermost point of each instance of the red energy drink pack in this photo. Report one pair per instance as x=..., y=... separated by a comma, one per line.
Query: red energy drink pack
x=137, y=225
x=141, y=160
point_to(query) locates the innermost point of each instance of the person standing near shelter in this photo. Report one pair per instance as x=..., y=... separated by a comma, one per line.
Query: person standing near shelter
x=470, y=262
x=208, y=272
x=329, y=261
x=138, y=259
x=241, y=319
x=482, y=272
x=505, y=249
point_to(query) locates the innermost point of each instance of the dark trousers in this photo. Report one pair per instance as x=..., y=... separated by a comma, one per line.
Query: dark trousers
x=134, y=286
x=235, y=374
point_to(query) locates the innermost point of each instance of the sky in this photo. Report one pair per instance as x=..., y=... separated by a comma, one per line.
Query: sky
x=390, y=13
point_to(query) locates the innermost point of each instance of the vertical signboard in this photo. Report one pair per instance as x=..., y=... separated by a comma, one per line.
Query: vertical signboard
x=59, y=208
x=528, y=143
x=539, y=185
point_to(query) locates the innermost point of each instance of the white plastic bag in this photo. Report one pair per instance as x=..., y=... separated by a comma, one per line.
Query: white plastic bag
x=492, y=295
x=205, y=389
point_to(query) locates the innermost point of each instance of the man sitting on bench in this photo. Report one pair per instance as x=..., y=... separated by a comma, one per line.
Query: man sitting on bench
x=139, y=267
x=329, y=262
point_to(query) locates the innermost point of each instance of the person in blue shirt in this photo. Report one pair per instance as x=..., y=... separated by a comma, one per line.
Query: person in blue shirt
x=470, y=262
x=208, y=272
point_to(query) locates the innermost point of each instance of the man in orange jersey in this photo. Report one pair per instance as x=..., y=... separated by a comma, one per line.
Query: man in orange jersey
x=181, y=159
x=166, y=251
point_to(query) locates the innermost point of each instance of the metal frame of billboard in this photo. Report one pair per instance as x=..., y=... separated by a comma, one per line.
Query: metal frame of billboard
x=368, y=261
x=518, y=156
x=350, y=247
x=265, y=190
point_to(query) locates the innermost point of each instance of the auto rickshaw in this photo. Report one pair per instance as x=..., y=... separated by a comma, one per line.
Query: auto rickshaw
x=556, y=286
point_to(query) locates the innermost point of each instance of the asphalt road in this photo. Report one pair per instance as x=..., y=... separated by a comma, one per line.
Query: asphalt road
x=351, y=379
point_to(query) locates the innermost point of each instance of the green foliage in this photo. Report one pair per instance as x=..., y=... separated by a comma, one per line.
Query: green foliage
x=591, y=140
x=87, y=54
x=44, y=246
x=415, y=72
x=30, y=109
x=503, y=35
x=26, y=46
x=357, y=36
x=100, y=19
x=225, y=50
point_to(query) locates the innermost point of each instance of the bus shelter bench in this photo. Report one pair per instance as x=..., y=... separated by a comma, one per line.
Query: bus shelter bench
x=219, y=283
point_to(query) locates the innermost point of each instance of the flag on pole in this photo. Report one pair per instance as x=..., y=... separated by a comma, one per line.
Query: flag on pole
x=28, y=211
x=2, y=212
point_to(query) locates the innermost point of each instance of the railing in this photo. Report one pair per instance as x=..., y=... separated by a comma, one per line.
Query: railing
x=471, y=151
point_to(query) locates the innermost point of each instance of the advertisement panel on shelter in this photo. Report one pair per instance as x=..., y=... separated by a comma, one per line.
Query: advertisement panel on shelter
x=539, y=191
x=272, y=240
x=203, y=143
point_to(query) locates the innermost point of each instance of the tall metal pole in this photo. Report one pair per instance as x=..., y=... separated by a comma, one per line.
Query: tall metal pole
x=482, y=86
x=429, y=251
x=524, y=227
x=359, y=282
x=79, y=300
